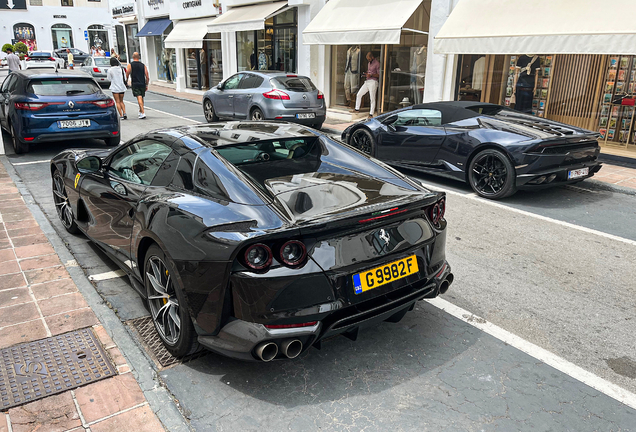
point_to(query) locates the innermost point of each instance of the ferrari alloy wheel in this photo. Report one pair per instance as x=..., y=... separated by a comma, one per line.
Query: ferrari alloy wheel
x=257, y=114
x=208, y=111
x=62, y=204
x=491, y=175
x=363, y=141
x=165, y=302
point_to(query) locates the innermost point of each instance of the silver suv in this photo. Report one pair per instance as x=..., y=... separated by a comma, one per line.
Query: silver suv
x=257, y=95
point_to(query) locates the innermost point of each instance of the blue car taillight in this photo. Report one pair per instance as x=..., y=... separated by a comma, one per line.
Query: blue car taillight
x=34, y=106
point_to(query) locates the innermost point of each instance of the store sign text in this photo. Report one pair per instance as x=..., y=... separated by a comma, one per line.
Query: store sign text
x=59, y=16
x=155, y=4
x=121, y=10
x=191, y=4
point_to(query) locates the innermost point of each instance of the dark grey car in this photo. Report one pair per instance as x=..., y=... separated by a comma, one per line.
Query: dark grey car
x=259, y=95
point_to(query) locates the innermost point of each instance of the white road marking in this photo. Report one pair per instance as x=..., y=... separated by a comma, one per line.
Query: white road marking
x=475, y=197
x=612, y=390
x=162, y=112
x=107, y=275
x=32, y=162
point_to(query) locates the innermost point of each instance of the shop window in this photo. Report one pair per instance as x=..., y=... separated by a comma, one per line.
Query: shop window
x=98, y=37
x=132, y=39
x=67, y=2
x=62, y=36
x=121, y=43
x=35, y=2
x=25, y=33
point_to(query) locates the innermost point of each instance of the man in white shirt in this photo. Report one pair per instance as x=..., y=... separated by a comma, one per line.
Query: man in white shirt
x=13, y=61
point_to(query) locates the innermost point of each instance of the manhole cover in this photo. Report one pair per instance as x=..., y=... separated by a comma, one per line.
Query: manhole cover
x=34, y=370
x=149, y=337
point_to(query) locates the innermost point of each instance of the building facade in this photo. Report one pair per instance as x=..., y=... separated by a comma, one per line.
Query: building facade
x=54, y=24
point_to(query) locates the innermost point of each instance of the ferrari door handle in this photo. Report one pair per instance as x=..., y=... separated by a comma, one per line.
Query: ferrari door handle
x=131, y=212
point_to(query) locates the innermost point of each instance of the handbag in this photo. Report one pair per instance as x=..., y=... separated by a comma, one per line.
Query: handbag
x=123, y=74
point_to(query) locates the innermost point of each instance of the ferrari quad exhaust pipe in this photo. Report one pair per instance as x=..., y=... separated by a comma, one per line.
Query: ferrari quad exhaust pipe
x=267, y=351
x=446, y=283
x=291, y=348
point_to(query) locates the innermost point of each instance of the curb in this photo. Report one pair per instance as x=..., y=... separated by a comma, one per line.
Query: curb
x=158, y=397
x=605, y=157
x=174, y=97
x=600, y=185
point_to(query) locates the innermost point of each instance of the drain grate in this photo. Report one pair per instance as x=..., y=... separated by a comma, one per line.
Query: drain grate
x=146, y=332
x=34, y=370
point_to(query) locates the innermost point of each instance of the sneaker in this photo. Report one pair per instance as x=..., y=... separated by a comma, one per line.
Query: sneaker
x=142, y=115
x=125, y=117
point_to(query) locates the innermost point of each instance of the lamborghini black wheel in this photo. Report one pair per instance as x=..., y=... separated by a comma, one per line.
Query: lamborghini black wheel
x=492, y=175
x=363, y=141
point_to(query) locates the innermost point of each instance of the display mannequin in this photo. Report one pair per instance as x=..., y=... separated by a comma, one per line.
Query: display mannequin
x=418, y=69
x=351, y=72
x=525, y=82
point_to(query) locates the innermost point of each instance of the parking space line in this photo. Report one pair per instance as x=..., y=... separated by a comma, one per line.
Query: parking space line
x=607, y=388
x=475, y=197
x=163, y=112
x=107, y=275
x=32, y=162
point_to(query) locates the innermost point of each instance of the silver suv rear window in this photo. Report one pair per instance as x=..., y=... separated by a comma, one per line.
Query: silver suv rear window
x=293, y=83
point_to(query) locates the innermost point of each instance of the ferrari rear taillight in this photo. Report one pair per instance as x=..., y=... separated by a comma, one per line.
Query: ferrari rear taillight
x=276, y=94
x=258, y=256
x=436, y=211
x=293, y=253
x=34, y=106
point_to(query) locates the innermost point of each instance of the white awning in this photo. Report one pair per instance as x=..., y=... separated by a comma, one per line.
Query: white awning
x=347, y=22
x=246, y=18
x=188, y=33
x=539, y=27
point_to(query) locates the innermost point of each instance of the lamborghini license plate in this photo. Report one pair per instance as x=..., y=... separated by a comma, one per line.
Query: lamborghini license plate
x=384, y=274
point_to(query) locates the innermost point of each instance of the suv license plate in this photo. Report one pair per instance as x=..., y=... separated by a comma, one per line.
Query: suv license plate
x=69, y=124
x=384, y=274
x=306, y=116
x=578, y=173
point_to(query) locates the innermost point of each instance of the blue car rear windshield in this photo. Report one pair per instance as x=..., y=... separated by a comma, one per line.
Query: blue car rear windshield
x=62, y=87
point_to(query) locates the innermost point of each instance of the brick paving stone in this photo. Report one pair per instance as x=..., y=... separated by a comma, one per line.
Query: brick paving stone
x=12, y=281
x=9, y=267
x=40, y=262
x=53, y=288
x=29, y=240
x=51, y=414
x=12, y=202
x=19, y=232
x=117, y=357
x=16, y=314
x=14, y=217
x=4, y=427
x=26, y=332
x=140, y=419
x=65, y=303
x=101, y=333
x=5, y=210
x=5, y=244
x=108, y=397
x=47, y=274
x=73, y=320
x=21, y=224
x=33, y=251
x=6, y=255
x=14, y=296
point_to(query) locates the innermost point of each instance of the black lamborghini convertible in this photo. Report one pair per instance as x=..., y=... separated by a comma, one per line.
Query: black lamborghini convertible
x=494, y=149
x=256, y=240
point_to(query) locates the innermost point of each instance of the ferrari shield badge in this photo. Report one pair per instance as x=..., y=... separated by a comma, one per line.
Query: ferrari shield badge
x=77, y=177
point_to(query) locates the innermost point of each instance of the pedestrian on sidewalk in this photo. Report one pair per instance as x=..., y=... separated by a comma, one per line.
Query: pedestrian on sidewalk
x=371, y=84
x=137, y=72
x=117, y=78
x=69, y=59
x=13, y=61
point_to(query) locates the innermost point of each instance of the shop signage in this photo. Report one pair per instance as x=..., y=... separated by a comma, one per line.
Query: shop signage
x=13, y=4
x=155, y=4
x=59, y=16
x=187, y=9
x=123, y=10
x=154, y=8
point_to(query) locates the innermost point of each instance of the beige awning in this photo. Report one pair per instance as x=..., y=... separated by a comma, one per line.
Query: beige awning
x=188, y=33
x=539, y=27
x=246, y=18
x=347, y=22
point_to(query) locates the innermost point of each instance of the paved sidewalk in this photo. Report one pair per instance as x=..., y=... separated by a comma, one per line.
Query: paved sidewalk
x=38, y=299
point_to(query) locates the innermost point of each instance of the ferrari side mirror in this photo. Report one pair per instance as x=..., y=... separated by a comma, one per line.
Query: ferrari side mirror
x=89, y=164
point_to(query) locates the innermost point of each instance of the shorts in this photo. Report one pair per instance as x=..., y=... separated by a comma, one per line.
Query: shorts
x=139, y=91
x=118, y=93
x=71, y=65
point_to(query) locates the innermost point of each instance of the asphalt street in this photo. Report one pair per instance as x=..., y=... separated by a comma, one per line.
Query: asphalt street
x=554, y=268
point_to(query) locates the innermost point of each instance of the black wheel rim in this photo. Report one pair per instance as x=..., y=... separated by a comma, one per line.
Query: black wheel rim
x=14, y=140
x=489, y=175
x=164, y=305
x=257, y=115
x=62, y=204
x=209, y=111
x=362, y=142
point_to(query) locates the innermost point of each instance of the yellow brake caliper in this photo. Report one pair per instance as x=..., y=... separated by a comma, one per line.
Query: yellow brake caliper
x=165, y=300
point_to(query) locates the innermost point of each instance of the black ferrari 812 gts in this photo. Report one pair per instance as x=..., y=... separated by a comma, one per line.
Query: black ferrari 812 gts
x=494, y=149
x=256, y=240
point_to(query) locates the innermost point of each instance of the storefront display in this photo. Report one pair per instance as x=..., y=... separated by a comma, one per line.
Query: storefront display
x=62, y=36
x=273, y=48
x=132, y=39
x=121, y=43
x=98, y=37
x=25, y=33
x=205, y=65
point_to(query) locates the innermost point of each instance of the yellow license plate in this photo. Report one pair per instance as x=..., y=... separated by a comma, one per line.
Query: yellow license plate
x=384, y=274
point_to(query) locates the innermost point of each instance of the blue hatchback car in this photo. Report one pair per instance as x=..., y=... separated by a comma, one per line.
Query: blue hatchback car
x=39, y=106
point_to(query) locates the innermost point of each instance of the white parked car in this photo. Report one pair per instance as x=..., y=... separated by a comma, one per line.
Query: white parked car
x=44, y=59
